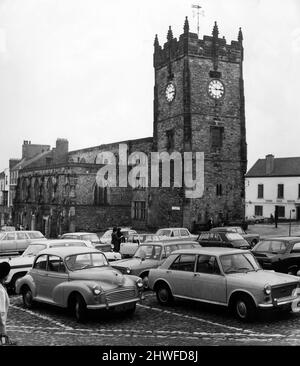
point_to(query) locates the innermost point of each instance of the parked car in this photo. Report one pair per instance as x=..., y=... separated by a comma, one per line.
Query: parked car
x=80, y=279
x=106, y=237
x=17, y=241
x=150, y=255
x=224, y=276
x=7, y=228
x=20, y=265
x=282, y=254
x=176, y=232
x=255, y=219
x=94, y=239
x=131, y=244
x=252, y=239
x=222, y=239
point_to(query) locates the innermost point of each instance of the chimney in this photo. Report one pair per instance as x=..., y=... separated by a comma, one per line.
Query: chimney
x=269, y=164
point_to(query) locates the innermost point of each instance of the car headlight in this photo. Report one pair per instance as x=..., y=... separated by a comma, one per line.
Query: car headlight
x=128, y=270
x=97, y=290
x=267, y=289
x=139, y=283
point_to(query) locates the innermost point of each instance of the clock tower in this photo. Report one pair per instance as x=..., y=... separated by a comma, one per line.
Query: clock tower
x=199, y=107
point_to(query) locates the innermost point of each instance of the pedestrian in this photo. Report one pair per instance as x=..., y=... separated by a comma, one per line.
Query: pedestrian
x=272, y=218
x=121, y=238
x=4, y=304
x=210, y=223
x=276, y=218
x=114, y=240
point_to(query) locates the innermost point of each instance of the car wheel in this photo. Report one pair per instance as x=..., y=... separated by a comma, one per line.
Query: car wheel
x=244, y=308
x=164, y=295
x=27, y=298
x=80, y=308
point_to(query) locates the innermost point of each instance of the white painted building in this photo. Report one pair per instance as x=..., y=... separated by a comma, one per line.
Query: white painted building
x=273, y=183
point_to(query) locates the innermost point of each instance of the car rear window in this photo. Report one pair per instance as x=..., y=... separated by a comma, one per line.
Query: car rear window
x=33, y=249
x=271, y=246
x=35, y=235
x=164, y=232
x=233, y=236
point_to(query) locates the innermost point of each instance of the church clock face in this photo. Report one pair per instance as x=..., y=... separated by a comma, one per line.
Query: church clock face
x=170, y=92
x=216, y=89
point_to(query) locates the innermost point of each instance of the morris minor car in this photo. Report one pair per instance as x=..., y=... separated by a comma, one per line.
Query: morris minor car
x=79, y=279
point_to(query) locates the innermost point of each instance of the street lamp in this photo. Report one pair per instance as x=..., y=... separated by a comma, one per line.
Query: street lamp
x=290, y=224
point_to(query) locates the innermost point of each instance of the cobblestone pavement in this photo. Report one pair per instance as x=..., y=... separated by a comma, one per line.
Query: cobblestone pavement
x=183, y=324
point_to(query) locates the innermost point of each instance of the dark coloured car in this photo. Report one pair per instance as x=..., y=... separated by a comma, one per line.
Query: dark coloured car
x=282, y=254
x=222, y=239
x=252, y=239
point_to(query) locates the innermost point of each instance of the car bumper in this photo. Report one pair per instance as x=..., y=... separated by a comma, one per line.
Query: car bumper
x=114, y=304
x=279, y=302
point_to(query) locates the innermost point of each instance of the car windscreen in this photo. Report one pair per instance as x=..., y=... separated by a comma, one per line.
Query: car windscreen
x=91, y=237
x=233, y=236
x=85, y=260
x=33, y=249
x=2, y=235
x=240, y=262
x=271, y=246
x=35, y=235
x=148, y=252
x=163, y=232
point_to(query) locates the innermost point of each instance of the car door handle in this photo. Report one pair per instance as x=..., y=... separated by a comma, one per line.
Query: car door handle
x=196, y=274
x=168, y=271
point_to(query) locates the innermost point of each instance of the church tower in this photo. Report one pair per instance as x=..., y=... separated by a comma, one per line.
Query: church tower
x=199, y=107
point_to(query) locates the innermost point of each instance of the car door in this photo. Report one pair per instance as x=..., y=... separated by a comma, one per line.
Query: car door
x=8, y=243
x=22, y=241
x=208, y=283
x=56, y=274
x=39, y=275
x=180, y=275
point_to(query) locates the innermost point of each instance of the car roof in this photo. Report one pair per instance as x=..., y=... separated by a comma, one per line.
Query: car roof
x=225, y=228
x=79, y=233
x=172, y=228
x=20, y=231
x=57, y=241
x=171, y=242
x=282, y=238
x=66, y=251
x=211, y=250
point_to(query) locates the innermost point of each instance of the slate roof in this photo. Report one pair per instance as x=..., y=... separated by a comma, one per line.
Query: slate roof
x=283, y=167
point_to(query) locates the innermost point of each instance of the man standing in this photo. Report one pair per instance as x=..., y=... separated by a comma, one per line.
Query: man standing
x=115, y=240
x=4, y=304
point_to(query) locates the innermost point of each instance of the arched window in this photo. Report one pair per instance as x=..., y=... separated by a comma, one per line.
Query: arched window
x=101, y=196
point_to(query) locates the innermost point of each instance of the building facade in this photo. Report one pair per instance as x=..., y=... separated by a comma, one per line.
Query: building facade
x=273, y=184
x=198, y=108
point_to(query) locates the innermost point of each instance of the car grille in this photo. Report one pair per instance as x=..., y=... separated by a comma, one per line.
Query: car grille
x=121, y=295
x=283, y=291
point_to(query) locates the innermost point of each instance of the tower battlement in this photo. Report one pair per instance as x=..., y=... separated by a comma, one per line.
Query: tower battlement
x=190, y=44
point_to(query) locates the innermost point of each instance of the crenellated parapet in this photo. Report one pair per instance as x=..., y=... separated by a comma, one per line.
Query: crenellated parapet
x=190, y=44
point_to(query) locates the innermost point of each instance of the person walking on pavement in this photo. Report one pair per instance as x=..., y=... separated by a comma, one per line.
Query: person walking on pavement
x=114, y=239
x=4, y=304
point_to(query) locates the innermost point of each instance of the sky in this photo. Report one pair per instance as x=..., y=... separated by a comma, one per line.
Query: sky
x=83, y=69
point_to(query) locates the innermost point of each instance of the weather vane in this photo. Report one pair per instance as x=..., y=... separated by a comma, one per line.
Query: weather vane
x=198, y=7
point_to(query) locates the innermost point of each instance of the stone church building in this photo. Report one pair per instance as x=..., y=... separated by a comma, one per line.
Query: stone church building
x=198, y=106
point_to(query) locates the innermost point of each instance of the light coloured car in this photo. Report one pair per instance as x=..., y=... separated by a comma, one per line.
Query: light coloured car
x=133, y=241
x=151, y=255
x=95, y=241
x=176, y=232
x=18, y=241
x=224, y=276
x=79, y=279
x=20, y=265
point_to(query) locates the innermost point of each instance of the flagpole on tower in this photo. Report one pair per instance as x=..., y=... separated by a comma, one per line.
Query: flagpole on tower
x=198, y=7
